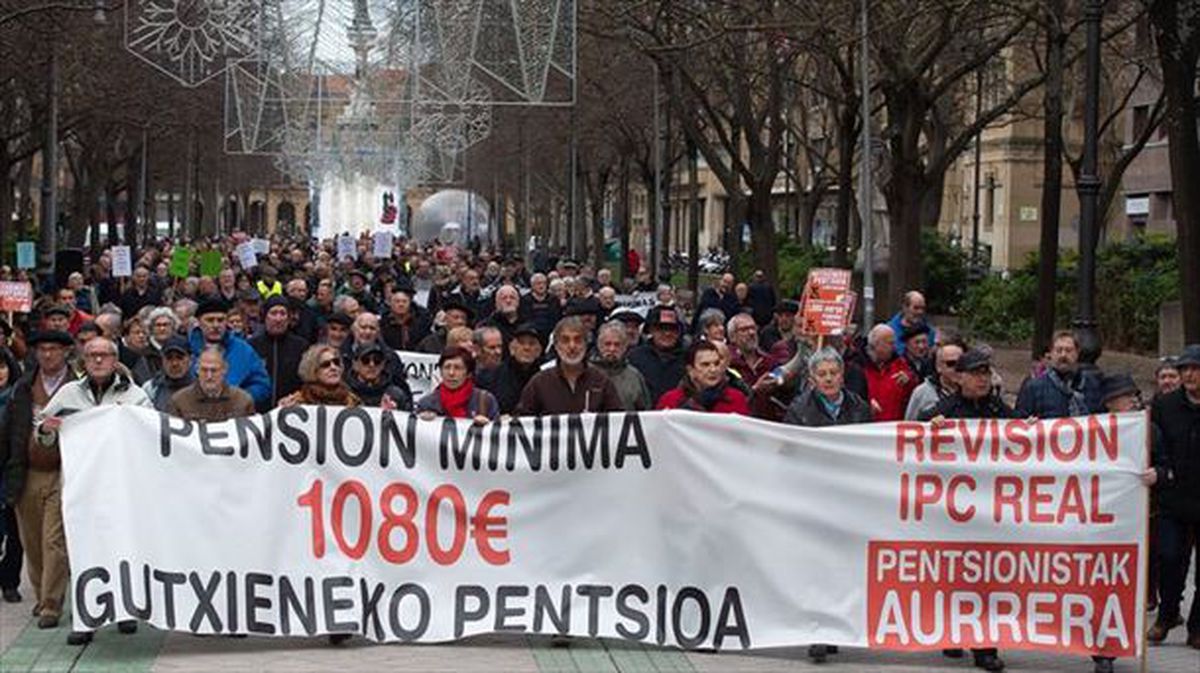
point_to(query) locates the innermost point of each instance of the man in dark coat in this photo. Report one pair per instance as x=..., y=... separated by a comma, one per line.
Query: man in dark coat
x=975, y=398
x=1176, y=416
x=523, y=360
x=280, y=350
x=662, y=360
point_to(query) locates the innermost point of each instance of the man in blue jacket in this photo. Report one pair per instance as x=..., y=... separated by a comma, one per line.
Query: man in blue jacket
x=1064, y=389
x=246, y=369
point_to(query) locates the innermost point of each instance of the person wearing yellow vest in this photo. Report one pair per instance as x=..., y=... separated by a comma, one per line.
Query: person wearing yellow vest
x=268, y=283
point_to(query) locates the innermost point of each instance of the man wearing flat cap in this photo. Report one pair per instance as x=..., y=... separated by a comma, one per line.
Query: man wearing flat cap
x=975, y=398
x=33, y=474
x=280, y=349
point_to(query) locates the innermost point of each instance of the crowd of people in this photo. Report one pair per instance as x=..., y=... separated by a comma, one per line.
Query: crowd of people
x=303, y=326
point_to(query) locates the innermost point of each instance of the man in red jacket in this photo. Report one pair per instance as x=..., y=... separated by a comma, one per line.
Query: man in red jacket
x=890, y=381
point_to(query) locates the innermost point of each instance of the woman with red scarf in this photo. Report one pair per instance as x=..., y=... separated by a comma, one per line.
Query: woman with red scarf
x=457, y=396
x=705, y=388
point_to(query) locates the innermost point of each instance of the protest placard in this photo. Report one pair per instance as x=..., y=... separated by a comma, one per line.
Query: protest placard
x=383, y=244
x=26, y=255
x=16, y=296
x=122, y=261
x=211, y=263
x=642, y=527
x=181, y=262
x=347, y=248
x=246, y=255
x=824, y=304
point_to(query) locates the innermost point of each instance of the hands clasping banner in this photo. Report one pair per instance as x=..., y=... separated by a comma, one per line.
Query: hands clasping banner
x=677, y=529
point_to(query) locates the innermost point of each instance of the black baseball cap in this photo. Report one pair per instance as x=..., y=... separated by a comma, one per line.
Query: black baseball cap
x=973, y=360
x=176, y=344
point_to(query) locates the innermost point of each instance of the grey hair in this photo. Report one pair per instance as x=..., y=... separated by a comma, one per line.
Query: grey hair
x=161, y=312
x=877, y=332
x=730, y=327
x=711, y=316
x=825, y=355
x=481, y=333
x=615, y=326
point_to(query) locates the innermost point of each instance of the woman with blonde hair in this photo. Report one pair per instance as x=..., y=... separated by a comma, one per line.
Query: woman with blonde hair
x=320, y=371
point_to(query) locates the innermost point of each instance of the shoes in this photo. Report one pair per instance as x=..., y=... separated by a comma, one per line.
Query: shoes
x=818, y=653
x=989, y=662
x=1103, y=665
x=127, y=627
x=12, y=595
x=1193, y=640
x=338, y=638
x=37, y=610
x=79, y=638
x=48, y=622
x=1162, y=627
x=953, y=654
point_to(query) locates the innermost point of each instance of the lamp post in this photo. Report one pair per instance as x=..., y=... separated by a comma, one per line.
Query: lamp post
x=1089, y=188
x=865, y=193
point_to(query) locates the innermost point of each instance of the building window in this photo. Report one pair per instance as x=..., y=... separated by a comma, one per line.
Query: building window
x=1141, y=117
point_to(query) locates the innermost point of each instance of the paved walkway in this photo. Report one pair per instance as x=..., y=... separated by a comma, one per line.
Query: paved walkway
x=24, y=647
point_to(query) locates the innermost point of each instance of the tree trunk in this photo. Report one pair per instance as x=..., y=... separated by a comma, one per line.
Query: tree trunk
x=906, y=195
x=693, y=225
x=762, y=233
x=1052, y=106
x=8, y=202
x=597, y=208
x=623, y=220
x=1178, y=47
x=847, y=137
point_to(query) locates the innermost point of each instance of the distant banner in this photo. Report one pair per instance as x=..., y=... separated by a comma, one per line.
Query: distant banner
x=640, y=302
x=422, y=371
x=667, y=528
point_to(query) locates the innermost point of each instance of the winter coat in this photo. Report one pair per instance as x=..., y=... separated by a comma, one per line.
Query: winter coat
x=160, y=388
x=281, y=357
x=662, y=371
x=897, y=325
x=809, y=411
x=371, y=394
x=957, y=406
x=1047, y=396
x=246, y=369
x=730, y=401
x=79, y=395
x=883, y=388
x=15, y=433
x=406, y=337
x=630, y=384
x=548, y=392
x=506, y=382
x=191, y=403
x=1177, y=419
x=482, y=404
x=543, y=313
x=924, y=397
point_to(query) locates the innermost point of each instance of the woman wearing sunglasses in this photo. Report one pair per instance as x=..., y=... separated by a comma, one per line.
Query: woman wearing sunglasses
x=321, y=376
x=457, y=395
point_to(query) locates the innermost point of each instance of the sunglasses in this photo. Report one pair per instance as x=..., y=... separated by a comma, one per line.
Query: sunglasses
x=326, y=364
x=371, y=359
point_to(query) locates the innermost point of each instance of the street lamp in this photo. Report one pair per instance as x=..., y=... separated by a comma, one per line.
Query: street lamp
x=1089, y=189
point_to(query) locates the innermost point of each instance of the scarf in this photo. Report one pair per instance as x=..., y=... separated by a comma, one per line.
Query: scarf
x=336, y=396
x=832, y=407
x=702, y=400
x=1076, y=405
x=455, y=403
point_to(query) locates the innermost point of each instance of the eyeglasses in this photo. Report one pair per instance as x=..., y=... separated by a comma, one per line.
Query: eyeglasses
x=371, y=360
x=951, y=363
x=326, y=364
x=99, y=356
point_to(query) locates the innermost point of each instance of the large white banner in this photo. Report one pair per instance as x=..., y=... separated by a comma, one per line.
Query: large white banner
x=675, y=528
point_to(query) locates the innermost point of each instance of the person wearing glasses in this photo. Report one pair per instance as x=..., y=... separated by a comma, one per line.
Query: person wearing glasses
x=106, y=382
x=457, y=396
x=942, y=383
x=209, y=397
x=322, y=381
x=368, y=380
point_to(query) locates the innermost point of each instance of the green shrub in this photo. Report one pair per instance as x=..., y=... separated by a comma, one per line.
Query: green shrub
x=1133, y=279
x=945, y=272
